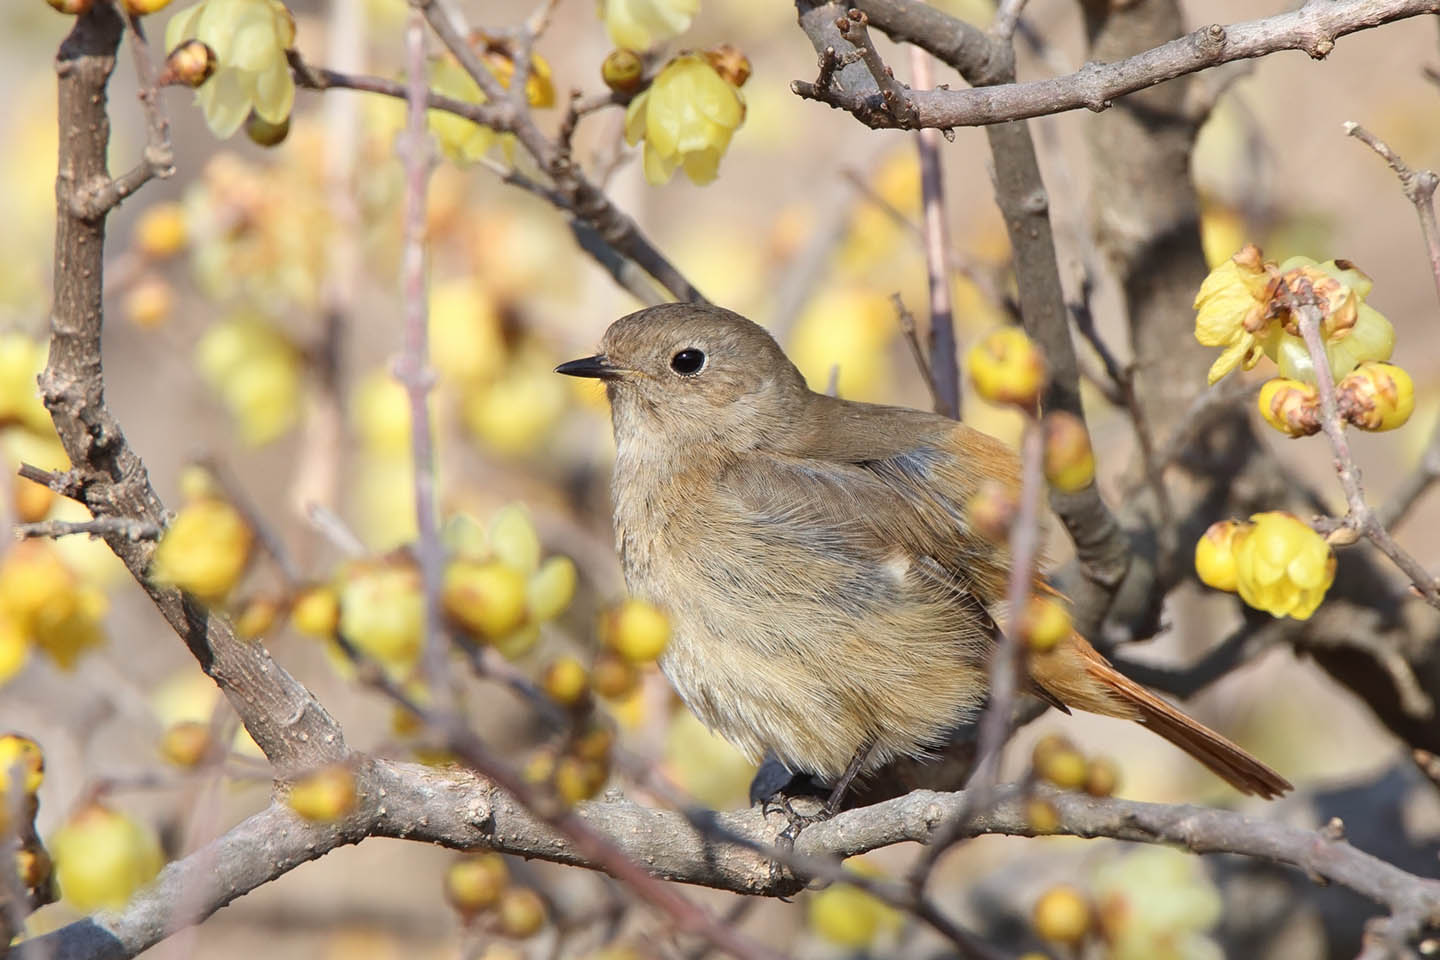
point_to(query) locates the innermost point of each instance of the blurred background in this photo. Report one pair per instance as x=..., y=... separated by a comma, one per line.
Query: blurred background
x=254, y=311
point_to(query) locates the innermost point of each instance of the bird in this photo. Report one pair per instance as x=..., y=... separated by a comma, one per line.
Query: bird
x=830, y=605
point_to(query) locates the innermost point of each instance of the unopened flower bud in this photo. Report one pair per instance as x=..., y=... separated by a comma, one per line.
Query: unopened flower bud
x=730, y=63
x=613, y=677
x=1215, y=554
x=1062, y=915
x=1006, y=367
x=190, y=64
x=324, y=795
x=475, y=882
x=991, y=511
x=1290, y=406
x=265, y=133
x=637, y=630
x=577, y=779
x=139, y=8
x=1102, y=778
x=566, y=681
x=623, y=71
x=1041, y=815
x=522, y=912
x=74, y=8
x=1069, y=461
x=1044, y=624
x=1376, y=396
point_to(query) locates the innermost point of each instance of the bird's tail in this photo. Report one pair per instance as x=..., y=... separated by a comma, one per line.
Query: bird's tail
x=1076, y=674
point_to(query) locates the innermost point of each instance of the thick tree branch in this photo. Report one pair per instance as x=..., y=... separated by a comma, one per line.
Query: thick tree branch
x=108, y=477
x=1313, y=28
x=458, y=810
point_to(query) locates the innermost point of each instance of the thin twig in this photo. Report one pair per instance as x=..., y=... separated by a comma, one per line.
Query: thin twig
x=127, y=527
x=944, y=367
x=1305, y=306
x=413, y=368
x=159, y=157
x=1007, y=18
x=1005, y=657
x=854, y=28
x=912, y=337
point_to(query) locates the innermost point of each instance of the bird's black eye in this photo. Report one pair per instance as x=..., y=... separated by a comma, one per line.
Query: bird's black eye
x=688, y=362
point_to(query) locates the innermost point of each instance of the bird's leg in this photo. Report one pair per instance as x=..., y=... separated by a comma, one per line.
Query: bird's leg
x=837, y=795
x=799, y=821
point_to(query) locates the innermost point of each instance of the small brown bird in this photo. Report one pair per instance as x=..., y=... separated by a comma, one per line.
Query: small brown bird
x=829, y=602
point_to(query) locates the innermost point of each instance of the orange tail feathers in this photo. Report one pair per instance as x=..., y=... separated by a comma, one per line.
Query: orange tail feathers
x=1077, y=675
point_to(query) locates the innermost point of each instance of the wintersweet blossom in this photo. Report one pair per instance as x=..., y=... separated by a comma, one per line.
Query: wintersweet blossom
x=249, y=38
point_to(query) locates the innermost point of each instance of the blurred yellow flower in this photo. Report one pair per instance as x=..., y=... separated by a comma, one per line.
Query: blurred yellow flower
x=1157, y=904
x=463, y=140
x=515, y=414
x=1215, y=554
x=257, y=372
x=249, y=38
x=204, y=550
x=102, y=857
x=848, y=328
x=1377, y=396
x=1232, y=311
x=57, y=612
x=382, y=612
x=1282, y=566
x=848, y=916
x=21, y=360
x=686, y=118
x=465, y=337
x=642, y=24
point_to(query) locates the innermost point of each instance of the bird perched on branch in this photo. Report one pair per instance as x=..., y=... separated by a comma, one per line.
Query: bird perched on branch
x=830, y=604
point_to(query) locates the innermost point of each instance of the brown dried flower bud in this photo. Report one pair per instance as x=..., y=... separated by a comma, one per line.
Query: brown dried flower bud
x=189, y=64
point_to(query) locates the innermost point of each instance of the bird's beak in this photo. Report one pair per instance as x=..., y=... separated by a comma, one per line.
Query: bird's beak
x=598, y=367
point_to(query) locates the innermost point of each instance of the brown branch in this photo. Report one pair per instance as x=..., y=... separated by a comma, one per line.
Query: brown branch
x=944, y=364
x=1313, y=28
x=107, y=477
x=458, y=810
x=104, y=527
x=584, y=199
x=617, y=233
x=412, y=369
x=1305, y=306
x=1102, y=548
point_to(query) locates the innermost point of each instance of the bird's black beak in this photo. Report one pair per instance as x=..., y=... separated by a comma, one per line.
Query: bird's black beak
x=598, y=367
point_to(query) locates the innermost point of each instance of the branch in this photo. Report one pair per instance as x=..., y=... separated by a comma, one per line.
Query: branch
x=1304, y=305
x=108, y=477
x=1313, y=28
x=104, y=527
x=101, y=196
x=1102, y=548
x=458, y=810
x=945, y=373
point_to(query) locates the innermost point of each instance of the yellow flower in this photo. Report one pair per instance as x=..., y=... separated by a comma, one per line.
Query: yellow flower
x=1282, y=566
x=52, y=608
x=257, y=372
x=1007, y=367
x=1290, y=406
x=204, y=551
x=102, y=857
x=465, y=141
x=1215, y=554
x=1377, y=396
x=642, y=24
x=1354, y=332
x=686, y=119
x=848, y=328
x=382, y=612
x=21, y=360
x=1232, y=311
x=249, y=38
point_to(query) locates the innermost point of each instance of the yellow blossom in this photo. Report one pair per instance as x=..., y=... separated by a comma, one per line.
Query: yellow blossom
x=686, y=119
x=249, y=38
x=1006, y=367
x=1290, y=406
x=21, y=359
x=1282, y=566
x=1215, y=554
x=466, y=141
x=23, y=757
x=103, y=856
x=1232, y=311
x=382, y=612
x=204, y=550
x=1377, y=396
x=642, y=24
x=846, y=329
x=40, y=593
x=257, y=372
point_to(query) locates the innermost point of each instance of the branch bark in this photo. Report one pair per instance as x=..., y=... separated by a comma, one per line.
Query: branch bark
x=724, y=851
x=1313, y=28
